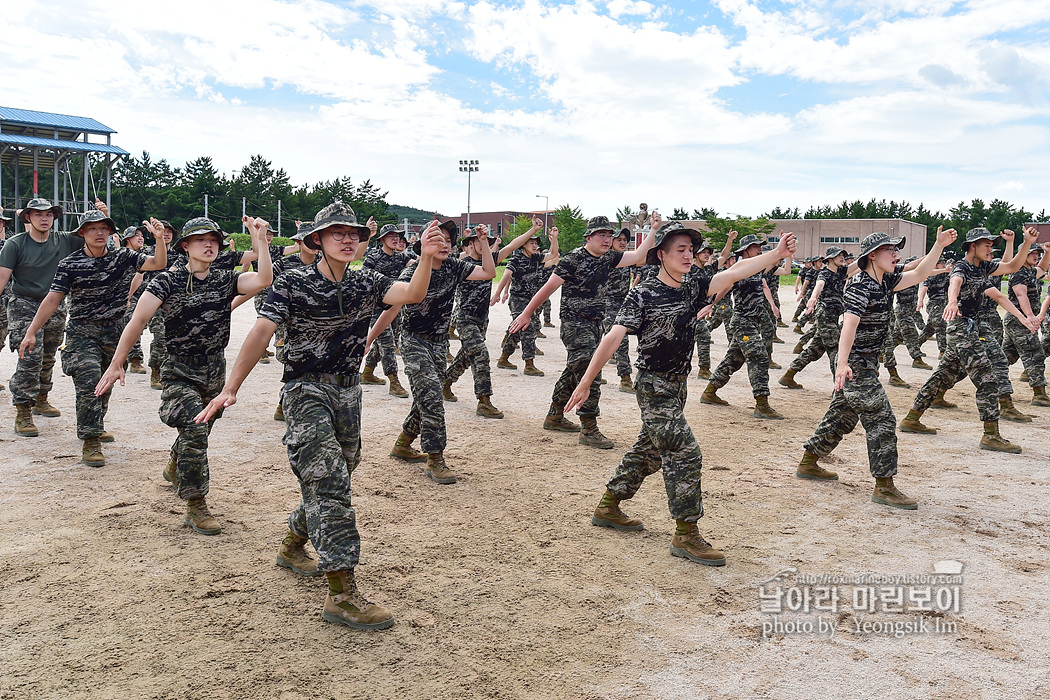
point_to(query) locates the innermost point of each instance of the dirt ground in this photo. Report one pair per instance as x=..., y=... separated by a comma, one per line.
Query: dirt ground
x=501, y=586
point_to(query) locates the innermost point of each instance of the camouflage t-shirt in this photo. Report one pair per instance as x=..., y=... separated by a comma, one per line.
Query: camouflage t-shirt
x=431, y=316
x=873, y=302
x=975, y=280
x=389, y=265
x=529, y=274
x=908, y=298
x=664, y=319
x=472, y=296
x=808, y=274
x=196, y=312
x=616, y=287
x=225, y=260
x=937, y=288
x=749, y=298
x=1028, y=276
x=584, y=277
x=831, y=295
x=288, y=262
x=320, y=337
x=97, y=287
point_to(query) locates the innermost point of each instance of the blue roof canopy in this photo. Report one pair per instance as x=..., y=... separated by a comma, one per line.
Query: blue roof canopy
x=60, y=144
x=49, y=120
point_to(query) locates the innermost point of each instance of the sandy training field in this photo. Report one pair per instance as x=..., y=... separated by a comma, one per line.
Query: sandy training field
x=501, y=586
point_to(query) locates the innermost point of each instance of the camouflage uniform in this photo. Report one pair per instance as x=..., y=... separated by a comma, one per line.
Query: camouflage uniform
x=472, y=322
x=385, y=345
x=663, y=318
x=937, y=299
x=702, y=329
x=1021, y=343
x=528, y=275
x=617, y=286
x=5, y=297
x=828, y=327
x=863, y=398
x=196, y=317
x=321, y=399
x=904, y=324
x=746, y=343
x=582, y=309
x=722, y=313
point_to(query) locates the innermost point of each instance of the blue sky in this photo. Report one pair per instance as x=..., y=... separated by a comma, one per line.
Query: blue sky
x=737, y=105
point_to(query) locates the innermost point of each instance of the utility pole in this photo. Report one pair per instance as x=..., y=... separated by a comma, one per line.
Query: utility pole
x=244, y=211
x=278, y=217
x=205, y=206
x=468, y=167
x=546, y=207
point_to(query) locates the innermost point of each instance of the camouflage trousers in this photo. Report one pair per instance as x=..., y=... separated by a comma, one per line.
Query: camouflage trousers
x=189, y=384
x=769, y=329
x=425, y=366
x=745, y=345
x=622, y=356
x=526, y=336
x=992, y=323
x=935, y=325
x=4, y=299
x=88, y=351
x=33, y=372
x=971, y=352
x=580, y=338
x=862, y=399
x=826, y=332
x=1021, y=343
x=384, y=348
x=546, y=309
x=323, y=436
x=665, y=442
x=136, y=350
x=702, y=333
x=886, y=354
x=472, y=353
x=1045, y=330
x=906, y=332
x=722, y=313
x=158, y=349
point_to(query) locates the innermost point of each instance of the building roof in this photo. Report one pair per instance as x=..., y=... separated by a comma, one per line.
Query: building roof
x=50, y=120
x=61, y=144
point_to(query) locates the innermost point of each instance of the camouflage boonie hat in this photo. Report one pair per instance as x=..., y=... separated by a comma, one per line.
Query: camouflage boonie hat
x=336, y=214
x=473, y=233
x=198, y=226
x=599, y=223
x=5, y=217
x=748, y=241
x=622, y=232
x=977, y=234
x=671, y=229
x=704, y=245
x=40, y=204
x=878, y=239
x=832, y=252
x=131, y=231
x=302, y=231
x=390, y=228
x=449, y=225
x=94, y=216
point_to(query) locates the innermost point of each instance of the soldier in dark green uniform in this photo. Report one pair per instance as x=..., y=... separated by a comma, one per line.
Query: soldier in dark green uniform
x=583, y=272
x=194, y=299
x=859, y=396
x=662, y=312
x=97, y=281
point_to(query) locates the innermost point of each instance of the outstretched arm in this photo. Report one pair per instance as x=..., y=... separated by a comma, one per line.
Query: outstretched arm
x=144, y=310
x=552, y=254
x=519, y=241
x=159, y=259
x=251, y=350
x=525, y=318
x=636, y=256
x=925, y=266
x=749, y=266
x=606, y=349
x=846, y=338
x=251, y=283
x=1016, y=262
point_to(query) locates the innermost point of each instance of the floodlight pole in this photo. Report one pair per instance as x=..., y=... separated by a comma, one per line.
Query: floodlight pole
x=546, y=208
x=205, y=206
x=468, y=167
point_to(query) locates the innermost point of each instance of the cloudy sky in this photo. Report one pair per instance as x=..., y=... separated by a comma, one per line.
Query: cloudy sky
x=737, y=105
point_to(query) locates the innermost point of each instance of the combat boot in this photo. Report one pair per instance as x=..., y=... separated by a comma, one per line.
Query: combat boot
x=773, y=364
x=703, y=372
x=106, y=436
x=446, y=392
x=292, y=555
x=809, y=469
x=485, y=408
x=591, y=436
x=1024, y=375
x=504, y=362
x=43, y=408
x=538, y=353
x=993, y=441
x=626, y=385
x=264, y=359
x=709, y=396
x=798, y=329
x=279, y=413
x=781, y=324
x=368, y=376
x=688, y=544
x=347, y=606
x=531, y=369
x=608, y=514
x=540, y=334
x=171, y=474
x=198, y=517
x=437, y=470
x=1039, y=397
x=1008, y=412
x=92, y=453
x=940, y=402
x=24, y=421
x=452, y=332
x=895, y=379
x=888, y=495
x=403, y=449
x=395, y=387
x=799, y=347
x=764, y=410
x=548, y=324
x=154, y=378
x=556, y=420
x=912, y=423
x=788, y=380
x=777, y=339
x=920, y=363
x=136, y=367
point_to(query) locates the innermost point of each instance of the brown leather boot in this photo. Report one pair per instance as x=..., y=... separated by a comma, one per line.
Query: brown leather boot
x=764, y=410
x=171, y=474
x=403, y=449
x=347, y=606
x=912, y=423
x=106, y=436
x=446, y=392
x=773, y=364
x=43, y=408
x=895, y=379
x=368, y=376
x=788, y=380
x=279, y=413
x=135, y=367
x=993, y=441
x=437, y=470
x=799, y=347
x=92, y=453
x=591, y=436
x=1008, y=411
x=292, y=555
x=626, y=385
x=538, y=352
x=920, y=363
x=688, y=544
x=809, y=469
x=1039, y=397
x=703, y=372
x=504, y=362
x=485, y=408
x=709, y=396
x=777, y=339
x=608, y=514
x=395, y=387
x=556, y=420
x=1024, y=375
x=154, y=378
x=888, y=495
x=940, y=402
x=24, y=421
x=199, y=518
x=531, y=369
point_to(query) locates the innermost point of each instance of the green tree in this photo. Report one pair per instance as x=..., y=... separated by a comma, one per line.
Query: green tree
x=743, y=225
x=571, y=227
